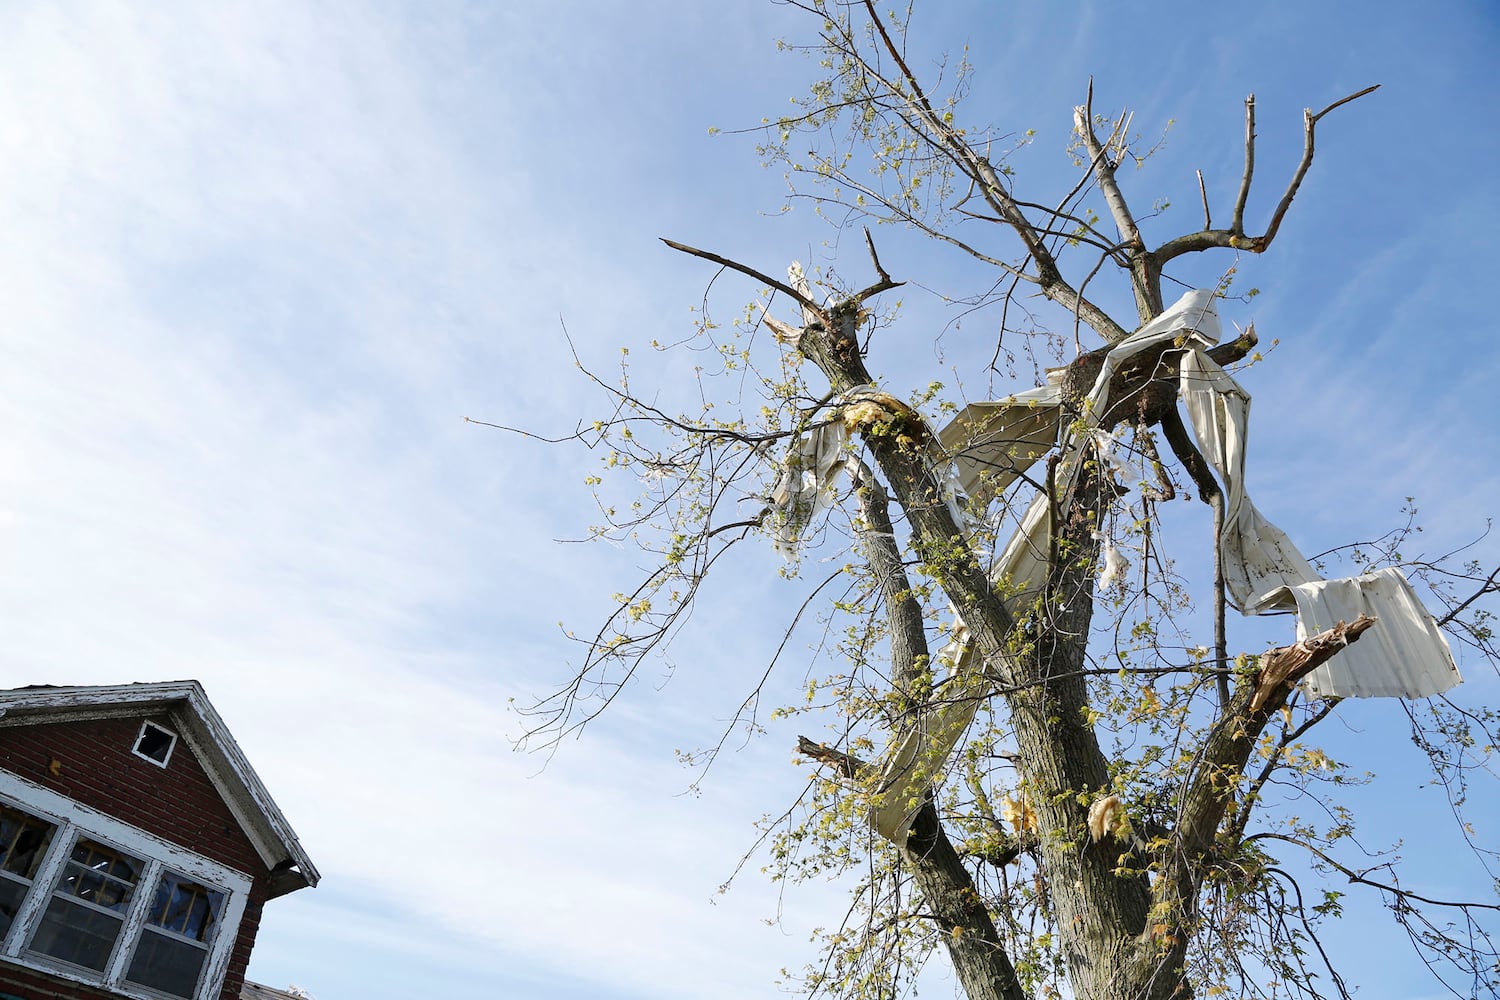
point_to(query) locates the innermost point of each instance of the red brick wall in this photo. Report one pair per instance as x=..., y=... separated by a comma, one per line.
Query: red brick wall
x=39, y=986
x=94, y=765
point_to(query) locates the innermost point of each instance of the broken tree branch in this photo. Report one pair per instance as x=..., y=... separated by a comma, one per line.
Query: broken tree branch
x=1281, y=668
x=734, y=265
x=845, y=764
x=1211, y=789
x=1231, y=743
x=1235, y=237
x=1147, y=291
x=1237, y=220
x=1310, y=122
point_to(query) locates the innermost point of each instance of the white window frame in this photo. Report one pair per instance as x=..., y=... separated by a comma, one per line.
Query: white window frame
x=171, y=745
x=150, y=930
x=74, y=820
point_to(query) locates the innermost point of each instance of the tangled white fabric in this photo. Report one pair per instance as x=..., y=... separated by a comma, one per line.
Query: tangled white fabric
x=806, y=486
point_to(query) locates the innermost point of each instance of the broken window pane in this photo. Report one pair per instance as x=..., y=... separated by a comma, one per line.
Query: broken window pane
x=154, y=743
x=23, y=841
x=174, y=942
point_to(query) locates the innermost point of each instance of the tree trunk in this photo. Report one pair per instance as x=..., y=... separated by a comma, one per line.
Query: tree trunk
x=984, y=969
x=1101, y=915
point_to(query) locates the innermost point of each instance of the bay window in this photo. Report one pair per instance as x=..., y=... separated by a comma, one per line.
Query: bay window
x=86, y=897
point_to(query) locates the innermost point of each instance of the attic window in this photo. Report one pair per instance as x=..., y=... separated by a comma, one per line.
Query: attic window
x=155, y=744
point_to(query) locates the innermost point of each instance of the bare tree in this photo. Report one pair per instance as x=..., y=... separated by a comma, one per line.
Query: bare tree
x=1051, y=781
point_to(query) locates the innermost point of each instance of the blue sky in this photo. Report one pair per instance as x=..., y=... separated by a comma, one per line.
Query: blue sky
x=259, y=261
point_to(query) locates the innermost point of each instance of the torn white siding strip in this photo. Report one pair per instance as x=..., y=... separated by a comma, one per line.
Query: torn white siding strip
x=993, y=444
x=807, y=484
x=1260, y=562
x=1403, y=656
x=810, y=474
x=1264, y=573
x=919, y=757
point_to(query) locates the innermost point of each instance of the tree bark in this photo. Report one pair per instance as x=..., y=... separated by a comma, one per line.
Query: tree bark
x=1211, y=790
x=909, y=652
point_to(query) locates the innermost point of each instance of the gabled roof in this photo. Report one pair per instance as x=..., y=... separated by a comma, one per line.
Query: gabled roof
x=197, y=724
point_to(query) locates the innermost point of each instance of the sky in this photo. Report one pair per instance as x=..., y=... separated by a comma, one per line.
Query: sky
x=259, y=260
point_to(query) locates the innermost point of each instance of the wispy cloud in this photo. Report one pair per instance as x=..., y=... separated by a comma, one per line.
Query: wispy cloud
x=249, y=292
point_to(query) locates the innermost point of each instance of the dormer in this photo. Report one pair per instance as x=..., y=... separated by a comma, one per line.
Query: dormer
x=137, y=845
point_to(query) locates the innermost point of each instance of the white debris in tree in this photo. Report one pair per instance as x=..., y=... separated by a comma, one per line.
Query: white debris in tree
x=807, y=484
x=991, y=445
x=1403, y=656
x=1264, y=571
x=798, y=280
x=1260, y=562
x=1112, y=565
x=1015, y=433
x=1107, y=446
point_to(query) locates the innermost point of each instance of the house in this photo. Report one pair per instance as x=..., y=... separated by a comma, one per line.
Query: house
x=137, y=846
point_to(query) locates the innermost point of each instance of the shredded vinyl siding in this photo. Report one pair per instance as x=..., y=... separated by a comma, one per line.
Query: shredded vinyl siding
x=992, y=444
x=1403, y=656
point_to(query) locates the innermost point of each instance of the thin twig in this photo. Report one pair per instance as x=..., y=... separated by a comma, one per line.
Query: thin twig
x=1345, y=100
x=1487, y=587
x=1361, y=877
